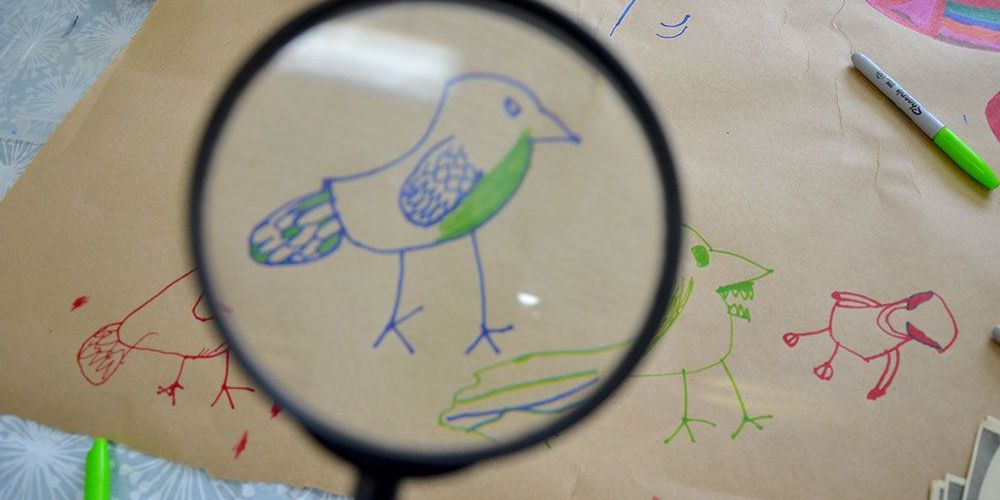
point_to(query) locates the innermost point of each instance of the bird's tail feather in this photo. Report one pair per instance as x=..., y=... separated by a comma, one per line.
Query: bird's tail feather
x=101, y=354
x=305, y=229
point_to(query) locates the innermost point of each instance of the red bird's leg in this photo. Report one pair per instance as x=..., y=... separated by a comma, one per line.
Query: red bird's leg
x=891, y=367
x=171, y=390
x=792, y=338
x=825, y=370
x=226, y=387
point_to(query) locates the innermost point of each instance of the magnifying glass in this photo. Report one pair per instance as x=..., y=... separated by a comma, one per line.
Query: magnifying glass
x=434, y=231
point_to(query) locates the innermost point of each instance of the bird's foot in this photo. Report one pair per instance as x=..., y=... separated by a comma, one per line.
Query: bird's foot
x=393, y=327
x=876, y=393
x=824, y=371
x=686, y=425
x=485, y=333
x=171, y=391
x=749, y=420
x=791, y=339
x=225, y=390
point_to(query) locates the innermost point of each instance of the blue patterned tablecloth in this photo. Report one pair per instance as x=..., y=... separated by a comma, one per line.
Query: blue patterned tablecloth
x=51, y=51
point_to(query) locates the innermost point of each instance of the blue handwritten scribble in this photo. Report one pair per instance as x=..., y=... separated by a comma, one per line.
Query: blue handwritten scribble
x=682, y=24
x=622, y=17
x=440, y=192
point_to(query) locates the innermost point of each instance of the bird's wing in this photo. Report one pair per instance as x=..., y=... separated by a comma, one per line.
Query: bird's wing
x=305, y=229
x=438, y=184
x=101, y=354
x=541, y=384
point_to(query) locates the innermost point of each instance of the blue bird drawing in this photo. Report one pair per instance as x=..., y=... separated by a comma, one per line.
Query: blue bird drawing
x=442, y=190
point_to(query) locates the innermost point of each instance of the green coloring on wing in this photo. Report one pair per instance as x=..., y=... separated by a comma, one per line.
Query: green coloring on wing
x=330, y=242
x=256, y=254
x=490, y=193
x=314, y=200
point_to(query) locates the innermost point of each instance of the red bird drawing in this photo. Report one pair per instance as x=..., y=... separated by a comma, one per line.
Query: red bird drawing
x=870, y=330
x=105, y=350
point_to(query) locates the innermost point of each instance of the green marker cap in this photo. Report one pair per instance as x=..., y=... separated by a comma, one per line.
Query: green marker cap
x=97, y=484
x=966, y=158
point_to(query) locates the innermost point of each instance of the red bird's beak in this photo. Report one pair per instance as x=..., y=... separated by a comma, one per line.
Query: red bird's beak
x=918, y=335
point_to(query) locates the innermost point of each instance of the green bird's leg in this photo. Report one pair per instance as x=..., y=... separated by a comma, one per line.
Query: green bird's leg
x=747, y=419
x=686, y=420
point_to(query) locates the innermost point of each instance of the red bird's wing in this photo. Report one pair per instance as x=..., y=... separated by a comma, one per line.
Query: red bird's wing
x=101, y=354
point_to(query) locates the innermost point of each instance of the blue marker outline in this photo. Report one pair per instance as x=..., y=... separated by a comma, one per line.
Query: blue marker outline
x=621, y=18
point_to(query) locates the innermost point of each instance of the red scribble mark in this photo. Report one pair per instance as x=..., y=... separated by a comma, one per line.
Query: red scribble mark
x=194, y=311
x=993, y=115
x=861, y=326
x=275, y=410
x=240, y=446
x=105, y=351
x=79, y=302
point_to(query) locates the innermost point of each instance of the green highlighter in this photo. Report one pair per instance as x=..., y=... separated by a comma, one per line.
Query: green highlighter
x=97, y=484
x=943, y=137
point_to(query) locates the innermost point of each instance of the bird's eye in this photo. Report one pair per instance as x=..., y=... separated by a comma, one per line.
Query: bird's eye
x=700, y=254
x=511, y=106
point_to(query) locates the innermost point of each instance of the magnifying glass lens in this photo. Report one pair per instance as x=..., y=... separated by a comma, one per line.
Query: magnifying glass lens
x=433, y=228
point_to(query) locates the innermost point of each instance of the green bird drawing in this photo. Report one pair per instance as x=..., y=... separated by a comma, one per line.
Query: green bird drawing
x=544, y=383
x=688, y=345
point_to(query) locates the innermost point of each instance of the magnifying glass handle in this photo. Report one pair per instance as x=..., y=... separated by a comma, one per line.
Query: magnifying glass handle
x=375, y=486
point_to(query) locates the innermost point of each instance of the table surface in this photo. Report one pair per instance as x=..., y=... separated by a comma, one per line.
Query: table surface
x=50, y=53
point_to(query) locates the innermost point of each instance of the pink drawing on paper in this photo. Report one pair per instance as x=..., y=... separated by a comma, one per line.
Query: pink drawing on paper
x=993, y=115
x=139, y=333
x=967, y=23
x=872, y=330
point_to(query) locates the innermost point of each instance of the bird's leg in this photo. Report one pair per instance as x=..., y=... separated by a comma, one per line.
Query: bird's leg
x=686, y=420
x=746, y=419
x=394, y=319
x=226, y=387
x=485, y=331
x=792, y=338
x=171, y=390
x=891, y=367
x=825, y=370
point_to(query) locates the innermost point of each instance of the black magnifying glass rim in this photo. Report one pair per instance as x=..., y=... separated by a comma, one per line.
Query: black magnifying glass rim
x=377, y=459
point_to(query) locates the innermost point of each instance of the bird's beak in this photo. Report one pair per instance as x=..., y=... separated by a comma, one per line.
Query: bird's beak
x=918, y=335
x=918, y=298
x=737, y=276
x=554, y=131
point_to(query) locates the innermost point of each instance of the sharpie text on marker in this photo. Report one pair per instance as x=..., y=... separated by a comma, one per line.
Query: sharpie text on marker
x=914, y=105
x=943, y=137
